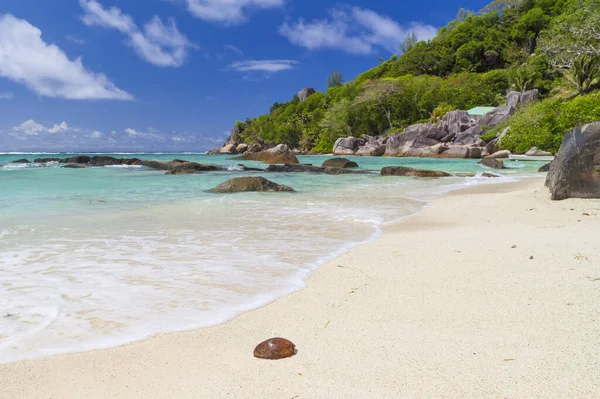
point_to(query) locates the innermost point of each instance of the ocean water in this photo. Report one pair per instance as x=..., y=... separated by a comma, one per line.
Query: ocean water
x=98, y=257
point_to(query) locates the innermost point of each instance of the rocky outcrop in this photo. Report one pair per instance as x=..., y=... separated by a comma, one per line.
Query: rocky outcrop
x=21, y=161
x=194, y=168
x=280, y=154
x=242, y=148
x=339, y=163
x=536, y=152
x=492, y=163
x=312, y=169
x=247, y=184
x=77, y=159
x=496, y=116
x=411, y=172
x=372, y=147
x=347, y=146
x=575, y=172
x=515, y=98
x=305, y=93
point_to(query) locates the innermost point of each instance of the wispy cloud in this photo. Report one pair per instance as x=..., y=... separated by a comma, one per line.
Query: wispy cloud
x=158, y=43
x=233, y=49
x=45, y=68
x=75, y=39
x=228, y=12
x=353, y=30
x=272, y=66
x=6, y=96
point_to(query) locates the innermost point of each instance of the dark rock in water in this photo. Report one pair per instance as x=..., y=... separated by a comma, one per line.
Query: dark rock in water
x=274, y=349
x=575, y=172
x=411, y=172
x=493, y=163
x=159, y=165
x=490, y=175
x=280, y=154
x=111, y=161
x=312, y=169
x=193, y=168
x=46, y=160
x=248, y=184
x=21, y=161
x=339, y=163
x=78, y=159
x=502, y=154
x=250, y=169
x=75, y=166
x=545, y=168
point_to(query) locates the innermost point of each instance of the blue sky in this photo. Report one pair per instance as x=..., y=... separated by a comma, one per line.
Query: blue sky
x=174, y=75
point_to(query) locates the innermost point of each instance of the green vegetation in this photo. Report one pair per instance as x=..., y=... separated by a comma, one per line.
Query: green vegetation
x=545, y=123
x=549, y=45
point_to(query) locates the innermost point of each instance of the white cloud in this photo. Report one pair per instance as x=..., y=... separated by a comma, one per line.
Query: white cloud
x=353, y=30
x=159, y=44
x=131, y=132
x=64, y=126
x=96, y=134
x=6, y=96
x=44, y=68
x=234, y=49
x=29, y=127
x=228, y=12
x=264, y=65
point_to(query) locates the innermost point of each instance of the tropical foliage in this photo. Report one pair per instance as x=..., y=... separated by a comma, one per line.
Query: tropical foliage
x=549, y=45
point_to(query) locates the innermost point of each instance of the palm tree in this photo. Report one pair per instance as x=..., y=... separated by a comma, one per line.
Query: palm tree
x=584, y=75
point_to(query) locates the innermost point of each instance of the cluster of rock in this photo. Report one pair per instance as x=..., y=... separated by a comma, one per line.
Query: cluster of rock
x=456, y=135
x=280, y=154
x=250, y=184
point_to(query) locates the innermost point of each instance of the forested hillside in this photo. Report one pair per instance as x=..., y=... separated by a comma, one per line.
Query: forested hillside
x=549, y=45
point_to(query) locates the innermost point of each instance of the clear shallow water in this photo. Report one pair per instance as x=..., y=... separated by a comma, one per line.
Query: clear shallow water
x=99, y=257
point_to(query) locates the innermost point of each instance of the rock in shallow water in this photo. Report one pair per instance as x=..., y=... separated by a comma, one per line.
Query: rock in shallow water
x=249, y=184
x=274, y=349
x=340, y=163
x=493, y=163
x=411, y=172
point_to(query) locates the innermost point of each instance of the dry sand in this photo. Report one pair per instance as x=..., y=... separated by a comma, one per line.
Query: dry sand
x=443, y=305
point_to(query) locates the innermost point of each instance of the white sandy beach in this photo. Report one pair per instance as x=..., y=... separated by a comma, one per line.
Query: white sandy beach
x=491, y=292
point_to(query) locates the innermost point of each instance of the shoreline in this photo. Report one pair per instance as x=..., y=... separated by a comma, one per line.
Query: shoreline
x=350, y=343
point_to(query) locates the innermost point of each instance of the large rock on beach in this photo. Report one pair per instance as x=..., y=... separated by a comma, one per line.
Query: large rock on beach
x=492, y=163
x=248, y=184
x=339, y=163
x=411, y=172
x=575, y=172
x=275, y=349
x=194, y=168
x=280, y=154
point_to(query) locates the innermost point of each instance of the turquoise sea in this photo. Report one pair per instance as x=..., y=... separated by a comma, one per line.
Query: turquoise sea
x=99, y=257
